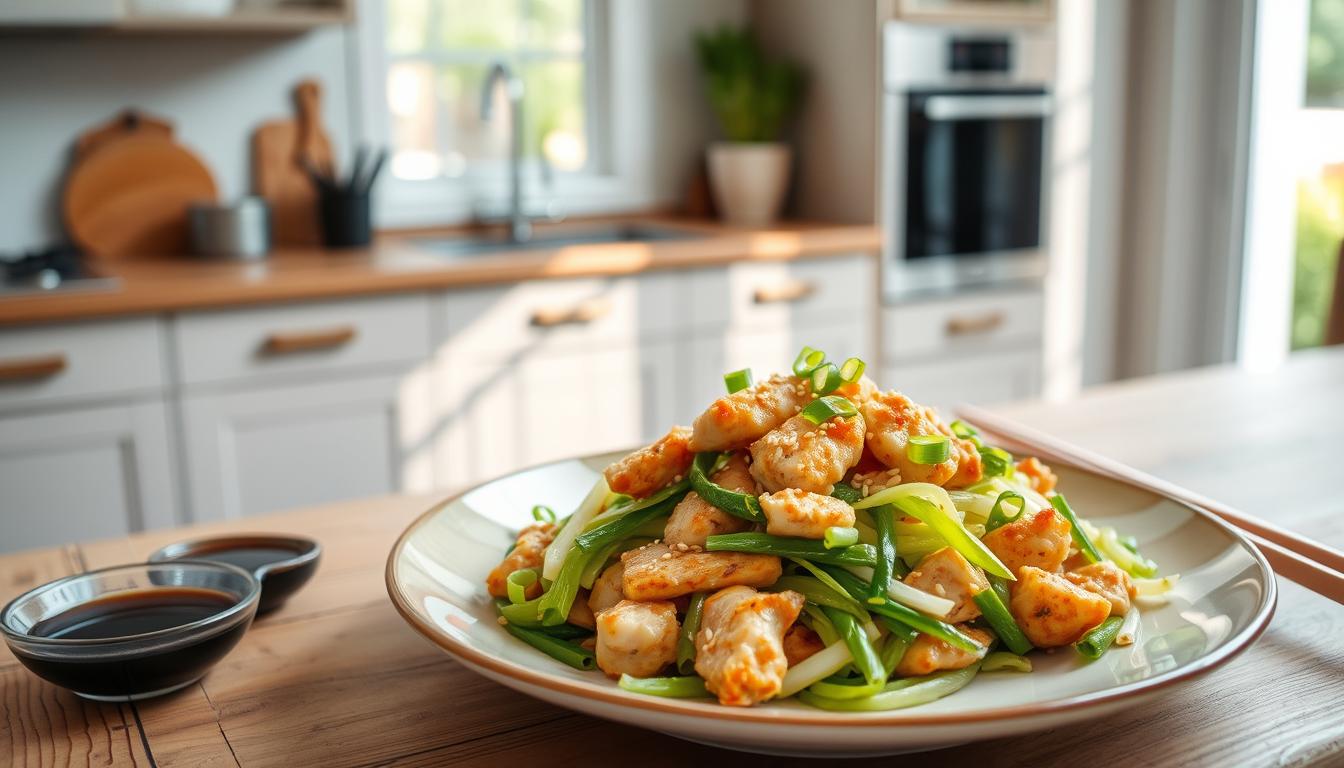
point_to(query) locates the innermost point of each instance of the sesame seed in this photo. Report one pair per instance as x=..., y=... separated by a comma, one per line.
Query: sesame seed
x=666, y=556
x=940, y=590
x=1124, y=639
x=696, y=548
x=502, y=621
x=682, y=546
x=709, y=634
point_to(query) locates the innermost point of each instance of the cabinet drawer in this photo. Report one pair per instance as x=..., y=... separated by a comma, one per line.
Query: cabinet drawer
x=241, y=344
x=979, y=321
x=750, y=296
x=57, y=362
x=978, y=379
x=559, y=314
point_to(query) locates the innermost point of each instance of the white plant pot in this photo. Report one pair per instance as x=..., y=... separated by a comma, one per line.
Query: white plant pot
x=749, y=180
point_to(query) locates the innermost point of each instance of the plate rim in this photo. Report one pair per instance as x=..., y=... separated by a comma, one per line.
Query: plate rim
x=1234, y=647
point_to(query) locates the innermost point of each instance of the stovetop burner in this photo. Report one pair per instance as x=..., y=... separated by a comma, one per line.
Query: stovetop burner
x=56, y=268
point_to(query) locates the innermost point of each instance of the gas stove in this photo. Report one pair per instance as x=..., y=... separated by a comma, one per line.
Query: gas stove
x=56, y=269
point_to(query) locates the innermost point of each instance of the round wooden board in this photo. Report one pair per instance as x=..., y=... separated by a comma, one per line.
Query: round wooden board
x=129, y=198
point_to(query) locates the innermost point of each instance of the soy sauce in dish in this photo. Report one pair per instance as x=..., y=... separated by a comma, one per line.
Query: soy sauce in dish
x=282, y=565
x=248, y=558
x=136, y=612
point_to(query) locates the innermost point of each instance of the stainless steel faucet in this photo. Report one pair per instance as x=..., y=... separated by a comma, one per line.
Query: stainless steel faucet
x=520, y=228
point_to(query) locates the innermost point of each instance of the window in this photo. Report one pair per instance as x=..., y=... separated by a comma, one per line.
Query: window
x=438, y=53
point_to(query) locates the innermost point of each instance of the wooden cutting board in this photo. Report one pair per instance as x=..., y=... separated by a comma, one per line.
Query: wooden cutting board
x=128, y=191
x=280, y=149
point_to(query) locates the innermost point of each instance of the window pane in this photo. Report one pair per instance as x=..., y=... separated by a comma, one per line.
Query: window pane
x=556, y=125
x=407, y=25
x=465, y=137
x=478, y=24
x=410, y=103
x=554, y=25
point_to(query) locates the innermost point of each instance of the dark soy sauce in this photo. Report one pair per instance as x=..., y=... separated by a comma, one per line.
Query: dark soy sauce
x=278, y=583
x=135, y=612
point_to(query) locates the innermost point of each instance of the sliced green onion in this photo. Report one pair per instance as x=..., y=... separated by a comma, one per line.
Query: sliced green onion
x=636, y=515
x=543, y=514
x=846, y=492
x=807, y=549
x=563, y=651
x=898, y=694
x=1095, y=643
x=884, y=520
x=846, y=688
x=851, y=632
x=737, y=380
x=905, y=594
x=896, y=645
x=928, y=449
x=526, y=614
x=931, y=505
x=1080, y=536
x=997, y=518
x=518, y=582
x=1002, y=661
x=819, y=666
x=807, y=361
x=1130, y=543
x=963, y=430
x=852, y=370
x=825, y=379
x=905, y=615
x=743, y=505
x=1002, y=622
x=828, y=407
x=690, y=687
x=837, y=596
x=686, y=641
x=820, y=594
x=820, y=624
x=837, y=536
x=567, y=631
x=553, y=606
x=1122, y=554
x=996, y=461
x=558, y=550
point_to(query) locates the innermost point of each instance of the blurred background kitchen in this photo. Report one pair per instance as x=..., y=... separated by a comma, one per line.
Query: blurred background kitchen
x=261, y=254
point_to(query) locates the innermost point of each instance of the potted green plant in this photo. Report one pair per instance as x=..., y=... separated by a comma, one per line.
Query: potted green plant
x=753, y=95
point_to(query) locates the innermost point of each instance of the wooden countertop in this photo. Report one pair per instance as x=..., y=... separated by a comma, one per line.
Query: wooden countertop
x=335, y=678
x=395, y=264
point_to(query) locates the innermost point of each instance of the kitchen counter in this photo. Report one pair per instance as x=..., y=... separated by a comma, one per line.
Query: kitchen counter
x=335, y=678
x=396, y=264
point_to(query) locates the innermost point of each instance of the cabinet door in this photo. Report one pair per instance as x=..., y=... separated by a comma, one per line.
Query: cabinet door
x=86, y=473
x=980, y=379
x=263, y=450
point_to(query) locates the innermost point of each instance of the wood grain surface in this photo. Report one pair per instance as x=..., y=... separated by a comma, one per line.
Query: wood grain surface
x=395, y=264
x=335, y=678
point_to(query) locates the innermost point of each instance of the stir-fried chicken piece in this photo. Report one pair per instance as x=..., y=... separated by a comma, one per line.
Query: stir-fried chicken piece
x=892, y=419
x=636, y=639
x=858, y=392
x=1039, y=476
x=875, y=480
x=652, y=467
x=527, y=553
x=800, y=643
x=695, y=519
x=946, y=573
x=580, y=612
x=659, y=572
x=735, y=421
x=1053, y=611
x=792, y=512
x=607, y=589
x=740, y=646
x=1040, y=539
x=811, y=457
x=1108, y=580
x=928, y=654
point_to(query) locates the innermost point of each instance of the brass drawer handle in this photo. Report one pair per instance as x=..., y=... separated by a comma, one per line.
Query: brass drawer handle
x=31, y=368
x=978, y=324
x=785, y=293
x=580, y=314
x=286, y=342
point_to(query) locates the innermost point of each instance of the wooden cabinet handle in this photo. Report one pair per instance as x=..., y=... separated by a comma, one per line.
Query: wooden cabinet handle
x=286, y=342
x=785, y=293
x=579, y=314
x=31, y=368
x=976, y=324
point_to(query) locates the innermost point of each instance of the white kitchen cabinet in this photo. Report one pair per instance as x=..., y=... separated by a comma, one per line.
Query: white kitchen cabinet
x=84, y=473
x=988, y=378
x=265, y=449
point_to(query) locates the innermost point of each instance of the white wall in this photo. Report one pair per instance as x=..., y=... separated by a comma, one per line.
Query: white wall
x=215, y=90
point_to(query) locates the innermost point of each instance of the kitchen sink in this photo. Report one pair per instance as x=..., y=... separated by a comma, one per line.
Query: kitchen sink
x=465, y=247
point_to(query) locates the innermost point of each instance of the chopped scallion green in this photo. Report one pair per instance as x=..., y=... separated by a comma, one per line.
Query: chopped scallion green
x=518, y=582
x=836, y=536
x=852, y=370
x=807, y=361
x=825, y=378
x=737, y=380
x=928, y=449
x=543, y=514
x=828, y=407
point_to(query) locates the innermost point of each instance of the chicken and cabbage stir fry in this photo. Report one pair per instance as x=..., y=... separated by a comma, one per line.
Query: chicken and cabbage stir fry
x=813, y=536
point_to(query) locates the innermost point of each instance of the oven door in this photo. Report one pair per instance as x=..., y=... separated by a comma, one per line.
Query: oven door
x=968, y=203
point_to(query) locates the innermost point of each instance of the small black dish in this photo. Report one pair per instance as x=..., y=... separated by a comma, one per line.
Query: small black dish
x=282, y=564
x=131, y=632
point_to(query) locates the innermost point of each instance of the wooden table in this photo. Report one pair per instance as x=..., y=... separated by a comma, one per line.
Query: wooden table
x=337, y=679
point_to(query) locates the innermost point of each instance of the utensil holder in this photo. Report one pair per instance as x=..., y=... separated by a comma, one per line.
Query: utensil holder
x=345, y=215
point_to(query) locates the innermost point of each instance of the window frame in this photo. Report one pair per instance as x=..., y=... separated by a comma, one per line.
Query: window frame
x=612, y=180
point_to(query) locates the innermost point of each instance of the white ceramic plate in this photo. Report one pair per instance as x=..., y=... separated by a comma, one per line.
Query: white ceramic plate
x=1223, y=601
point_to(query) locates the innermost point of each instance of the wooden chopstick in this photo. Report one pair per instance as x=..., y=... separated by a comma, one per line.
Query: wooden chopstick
x=1314, y=565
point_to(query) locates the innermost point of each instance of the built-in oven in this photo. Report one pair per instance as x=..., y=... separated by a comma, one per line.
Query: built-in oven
x=966, y=126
